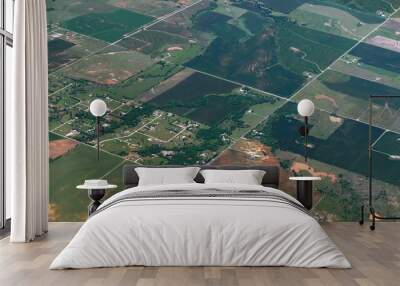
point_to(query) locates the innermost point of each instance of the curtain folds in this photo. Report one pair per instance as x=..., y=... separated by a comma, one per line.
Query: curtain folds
x=27, y=124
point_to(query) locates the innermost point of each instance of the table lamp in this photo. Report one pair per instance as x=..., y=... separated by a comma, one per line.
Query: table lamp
x=98, y=108
x=305, y=108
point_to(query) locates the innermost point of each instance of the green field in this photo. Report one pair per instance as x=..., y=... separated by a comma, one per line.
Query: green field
x=254, y=115
x=154, y=8
x=109, y=68
x=342, y=148
x=368, y=6
x=58, y=11
x=194, y=87
x=143, y=81
x=372, y=73
x=108, y=26
x=66, y=47
x=331, y=20
x=276, y=5
x=201, y=98
x=389, y=29
x=278, y=61
x=389, y=143
x=71, y=170
x=156, y=42
x=357, y=87
x=365, y=10
x=57, y=46
x=57, y=54
x=348, y=96
x=379, y=57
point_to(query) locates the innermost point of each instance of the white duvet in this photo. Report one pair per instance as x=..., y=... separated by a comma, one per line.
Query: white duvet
x=200, y=231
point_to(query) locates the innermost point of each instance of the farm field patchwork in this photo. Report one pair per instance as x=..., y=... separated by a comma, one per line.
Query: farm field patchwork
x=351, y=66
x=151, y=42
x=279, y=58
x=109, y=68
x=108, y=26
x=155, y=8
x=389, y=144
x=217, y=82
x=213, y=102
x=280, y=132
x=348, y=96
x=331, y=20
x=66, y=47
x=387, y=36
x=59, y=11
x=379, y=57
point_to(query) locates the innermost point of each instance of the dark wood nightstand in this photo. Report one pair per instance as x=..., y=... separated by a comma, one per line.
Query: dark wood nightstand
x=305, y=190
x=96, y=190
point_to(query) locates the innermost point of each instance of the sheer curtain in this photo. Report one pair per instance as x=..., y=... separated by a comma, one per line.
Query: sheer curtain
x=27, y=124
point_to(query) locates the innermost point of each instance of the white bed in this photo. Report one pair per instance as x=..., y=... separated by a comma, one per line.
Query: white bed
x=185, y=230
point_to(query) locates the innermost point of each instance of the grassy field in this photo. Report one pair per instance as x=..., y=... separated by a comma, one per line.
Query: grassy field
x=389, y=143
x=365, y=10
x=109, y=68
x=356, y=87
x=107, y=26
x=67, y=46
x=370, y=6
x=157, y=42
x=58, y=11
x=71, y=170
x=154, y=8
x=331, y=20
x=282, y=6
x=228, y=10
x=143, y=81
x=389, y=30
x=185, y=55
x=368, y=72
x=254, y=115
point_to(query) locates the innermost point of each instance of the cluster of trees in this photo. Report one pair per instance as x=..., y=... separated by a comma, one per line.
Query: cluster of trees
x=209, y=140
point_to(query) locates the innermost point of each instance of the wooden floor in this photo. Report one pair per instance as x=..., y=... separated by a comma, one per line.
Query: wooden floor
x=375, y=257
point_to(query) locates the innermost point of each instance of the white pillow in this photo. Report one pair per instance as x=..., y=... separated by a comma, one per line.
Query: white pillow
x=248, y=177
x=166, y=176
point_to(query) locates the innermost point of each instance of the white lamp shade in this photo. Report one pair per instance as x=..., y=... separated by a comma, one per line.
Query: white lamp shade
x=98, y=107
x=305, y=107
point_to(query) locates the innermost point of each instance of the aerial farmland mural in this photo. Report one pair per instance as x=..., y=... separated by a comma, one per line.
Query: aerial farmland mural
x=217, y=82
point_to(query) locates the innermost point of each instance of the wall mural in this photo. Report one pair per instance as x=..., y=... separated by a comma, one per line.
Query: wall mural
x=196, y=82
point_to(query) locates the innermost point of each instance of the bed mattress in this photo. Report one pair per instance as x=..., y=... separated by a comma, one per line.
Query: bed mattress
x=201, y=225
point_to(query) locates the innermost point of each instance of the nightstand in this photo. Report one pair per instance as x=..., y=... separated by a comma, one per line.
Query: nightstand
x=305, y=190
x=96, y=190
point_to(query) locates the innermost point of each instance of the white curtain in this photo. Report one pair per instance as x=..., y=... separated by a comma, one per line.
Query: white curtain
x=27, y=124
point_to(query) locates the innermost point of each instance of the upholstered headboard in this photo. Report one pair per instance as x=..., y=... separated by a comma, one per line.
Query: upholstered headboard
x=271, y=177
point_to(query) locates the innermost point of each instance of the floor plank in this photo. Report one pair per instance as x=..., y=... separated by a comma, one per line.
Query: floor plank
x=375, y=257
